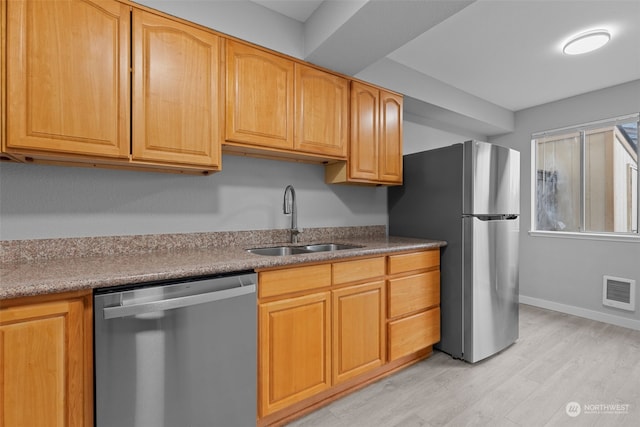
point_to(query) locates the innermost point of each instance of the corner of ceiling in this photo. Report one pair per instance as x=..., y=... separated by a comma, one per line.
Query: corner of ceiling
x=428, y=100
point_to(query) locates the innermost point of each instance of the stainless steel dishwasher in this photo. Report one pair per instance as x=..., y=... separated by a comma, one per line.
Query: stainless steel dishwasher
x=174, y=354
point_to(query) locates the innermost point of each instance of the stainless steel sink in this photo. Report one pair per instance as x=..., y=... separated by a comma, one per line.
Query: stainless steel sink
x=294, y=250
x=279, y=251
x=325, y=247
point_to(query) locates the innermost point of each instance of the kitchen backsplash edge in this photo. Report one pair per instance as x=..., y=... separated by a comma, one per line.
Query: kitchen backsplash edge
x=12, y=251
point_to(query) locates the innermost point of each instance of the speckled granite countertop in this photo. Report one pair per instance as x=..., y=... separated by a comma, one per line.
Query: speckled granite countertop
x=36, y=275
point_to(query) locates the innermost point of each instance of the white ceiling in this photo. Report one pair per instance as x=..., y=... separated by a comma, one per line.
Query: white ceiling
x=300, y=10
x=505, y=52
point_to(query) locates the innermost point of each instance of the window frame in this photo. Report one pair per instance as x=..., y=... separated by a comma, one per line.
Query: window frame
x=583, y=130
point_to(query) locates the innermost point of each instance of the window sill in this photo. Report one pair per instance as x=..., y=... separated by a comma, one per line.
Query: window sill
x=587, y=236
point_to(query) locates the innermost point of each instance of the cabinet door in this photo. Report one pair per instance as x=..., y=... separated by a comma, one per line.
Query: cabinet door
x=294, y=348
x=359, y=330
x=390, y=150
x=176, y=96
x=321, y=112
x=68, y=77
x=259, y=106
x=363, y=156
x=45, y=363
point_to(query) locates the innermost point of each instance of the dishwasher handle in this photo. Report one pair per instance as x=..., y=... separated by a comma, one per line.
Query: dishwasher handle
x=180, y=302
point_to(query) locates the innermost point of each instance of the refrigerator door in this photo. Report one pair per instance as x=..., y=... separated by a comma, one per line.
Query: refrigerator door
x=490, y=280
x=492, y=179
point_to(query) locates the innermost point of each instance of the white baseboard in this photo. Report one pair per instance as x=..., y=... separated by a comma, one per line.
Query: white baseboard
x=582, y=312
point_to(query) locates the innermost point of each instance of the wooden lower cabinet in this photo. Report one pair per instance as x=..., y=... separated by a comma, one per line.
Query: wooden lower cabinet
x=326, y=330
x=358, y=330
x=294, y=279
x=413, y=293
x=295, y=350
x=46, y=369
x=413, y=333
x=414, y=261
x=413, y=302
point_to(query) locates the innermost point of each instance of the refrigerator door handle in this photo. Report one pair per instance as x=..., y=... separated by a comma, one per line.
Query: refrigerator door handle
x=493, y=217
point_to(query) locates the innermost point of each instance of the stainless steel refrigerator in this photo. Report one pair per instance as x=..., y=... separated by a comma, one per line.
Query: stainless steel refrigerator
x=469, y=195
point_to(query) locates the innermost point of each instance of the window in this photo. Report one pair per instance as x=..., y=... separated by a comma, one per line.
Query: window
x=586, y=178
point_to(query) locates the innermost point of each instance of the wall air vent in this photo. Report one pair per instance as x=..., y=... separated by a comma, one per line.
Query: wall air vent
x=618, y=292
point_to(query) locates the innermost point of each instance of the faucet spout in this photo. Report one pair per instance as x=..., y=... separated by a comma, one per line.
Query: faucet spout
x=289, y=208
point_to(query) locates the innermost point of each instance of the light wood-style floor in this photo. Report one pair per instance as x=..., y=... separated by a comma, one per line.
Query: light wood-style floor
x=558, y=359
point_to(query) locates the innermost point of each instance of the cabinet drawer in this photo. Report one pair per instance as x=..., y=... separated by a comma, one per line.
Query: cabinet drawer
x=362, y=269
x=277, y=282
x=414, y=333
x=413, y=293
x=414, y=261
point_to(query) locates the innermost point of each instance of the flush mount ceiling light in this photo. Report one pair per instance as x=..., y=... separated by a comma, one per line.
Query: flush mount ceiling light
x=586, y=42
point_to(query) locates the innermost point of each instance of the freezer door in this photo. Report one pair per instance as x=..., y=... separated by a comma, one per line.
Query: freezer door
x=492, y=179
x=490, y=251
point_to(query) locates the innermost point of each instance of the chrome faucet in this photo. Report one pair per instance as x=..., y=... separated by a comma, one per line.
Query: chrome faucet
x=289, y=207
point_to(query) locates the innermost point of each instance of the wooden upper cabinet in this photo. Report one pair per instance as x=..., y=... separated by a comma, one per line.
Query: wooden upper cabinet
x=259, y=97
x=365, y=122
x=68, y=77
x=46, y=361
x=176, y=92
x=375, y=153
x=390, y=150
x=321, y=112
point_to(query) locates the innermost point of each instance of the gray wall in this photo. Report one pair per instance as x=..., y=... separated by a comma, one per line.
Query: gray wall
x=46, y=201
x=51, y=201
x=562, y=273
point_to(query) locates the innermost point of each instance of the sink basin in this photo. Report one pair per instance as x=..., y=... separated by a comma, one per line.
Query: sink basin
x=325, y=247
x=294, y=250
x=279, y=250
